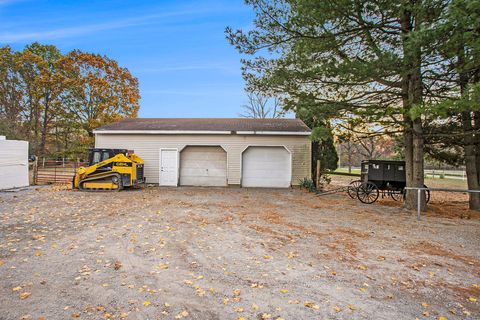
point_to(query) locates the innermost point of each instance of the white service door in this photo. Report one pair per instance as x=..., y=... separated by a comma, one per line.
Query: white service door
x=267, y=167
x=203, y=166
x=168, y=167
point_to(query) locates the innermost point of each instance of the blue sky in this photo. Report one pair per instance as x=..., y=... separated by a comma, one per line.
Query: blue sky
x=177, y=49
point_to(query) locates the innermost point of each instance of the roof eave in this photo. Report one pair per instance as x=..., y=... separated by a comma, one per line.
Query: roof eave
x=172, y=132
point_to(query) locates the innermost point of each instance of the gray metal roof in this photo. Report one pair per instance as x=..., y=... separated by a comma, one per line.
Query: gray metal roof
x=207, y=124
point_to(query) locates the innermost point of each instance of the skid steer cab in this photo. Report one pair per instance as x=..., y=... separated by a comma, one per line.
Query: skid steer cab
x=109, y=170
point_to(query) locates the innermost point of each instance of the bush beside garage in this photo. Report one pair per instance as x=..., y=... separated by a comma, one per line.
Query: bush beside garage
x=273, y=153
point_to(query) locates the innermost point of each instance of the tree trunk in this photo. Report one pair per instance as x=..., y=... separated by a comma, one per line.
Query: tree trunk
x=470, y=160
x=349, y=156
x=412, y=91
x=418, y=161
x=476, y=127
x=408, y=141
x=46, y=111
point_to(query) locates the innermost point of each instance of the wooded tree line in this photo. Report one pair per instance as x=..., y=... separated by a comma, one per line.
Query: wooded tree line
x=56, y=100
x=409, y=67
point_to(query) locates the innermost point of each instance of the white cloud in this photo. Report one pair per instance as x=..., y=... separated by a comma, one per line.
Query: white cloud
x=66, y=32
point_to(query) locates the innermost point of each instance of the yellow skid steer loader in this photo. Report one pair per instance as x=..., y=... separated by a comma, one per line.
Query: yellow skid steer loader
x=109, y=170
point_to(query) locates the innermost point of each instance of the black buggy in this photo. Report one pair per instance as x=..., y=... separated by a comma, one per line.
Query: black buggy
x=385, y=177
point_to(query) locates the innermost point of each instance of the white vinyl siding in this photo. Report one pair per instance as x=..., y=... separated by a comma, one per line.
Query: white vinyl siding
x=203, y=166
x=13, y=164
x=147, y=146
x=266, y=167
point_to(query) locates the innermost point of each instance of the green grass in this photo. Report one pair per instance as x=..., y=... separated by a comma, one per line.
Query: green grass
x=345, y=170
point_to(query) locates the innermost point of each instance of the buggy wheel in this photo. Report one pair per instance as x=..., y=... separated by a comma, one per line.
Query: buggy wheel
x=427, y=194
x=397, y=195
x=367, y=192
x=353, y=187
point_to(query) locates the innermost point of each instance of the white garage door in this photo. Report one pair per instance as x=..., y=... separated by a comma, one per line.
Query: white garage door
x=203, y=166
x=267, y=167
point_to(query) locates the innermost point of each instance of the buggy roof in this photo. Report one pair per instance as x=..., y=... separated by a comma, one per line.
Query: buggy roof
x=401, y=162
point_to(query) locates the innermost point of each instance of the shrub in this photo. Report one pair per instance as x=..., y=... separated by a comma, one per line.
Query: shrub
x=308, y=184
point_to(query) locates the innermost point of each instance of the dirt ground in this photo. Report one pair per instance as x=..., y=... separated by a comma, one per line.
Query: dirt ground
x=231, y=253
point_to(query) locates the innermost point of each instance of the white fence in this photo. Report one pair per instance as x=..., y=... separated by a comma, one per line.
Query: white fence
x=13, y=163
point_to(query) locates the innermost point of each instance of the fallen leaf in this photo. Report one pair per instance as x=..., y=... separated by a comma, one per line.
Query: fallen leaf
x=181, y=315
x=162, y=266
x=472, y=299
x=236, y=292
x=424, y=304
x=25, y=295
x=363, y=268
x=351, y=307
x=75, y=315
x=442, y=318
x=117, y=265
x=38, y=253
x=337, y=309
x=146, y=303
x=283, y=290
x=238, y=309
x=362, y=289
x=311, y=305
x=2, y=263
x=17, y=289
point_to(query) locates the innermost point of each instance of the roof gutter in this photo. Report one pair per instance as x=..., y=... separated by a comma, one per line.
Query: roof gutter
x=159, y=132
x=279, y=133
x=284, y=133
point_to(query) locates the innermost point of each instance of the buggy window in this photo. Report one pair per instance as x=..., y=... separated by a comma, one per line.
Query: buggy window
x=388, y=167
x=375, y=166
x=400, y=168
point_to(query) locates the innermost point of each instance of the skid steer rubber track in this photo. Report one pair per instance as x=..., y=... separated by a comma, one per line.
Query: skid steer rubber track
x=112, y=178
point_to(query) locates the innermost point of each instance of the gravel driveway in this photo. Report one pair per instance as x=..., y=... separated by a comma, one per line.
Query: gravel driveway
x=228, y=253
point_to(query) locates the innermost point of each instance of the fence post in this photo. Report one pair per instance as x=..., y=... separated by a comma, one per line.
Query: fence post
x=418, y=203
x=43, y=164
x=317, y=177
x=55, y=173
x=35, y=171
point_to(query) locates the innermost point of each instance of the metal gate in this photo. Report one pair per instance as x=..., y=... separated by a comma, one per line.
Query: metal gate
x=47, y=171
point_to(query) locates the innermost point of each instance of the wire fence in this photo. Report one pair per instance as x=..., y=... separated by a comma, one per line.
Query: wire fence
x=419, y=193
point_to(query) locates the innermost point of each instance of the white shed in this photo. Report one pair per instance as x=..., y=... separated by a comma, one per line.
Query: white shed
x=13, y=163
x=215, y=152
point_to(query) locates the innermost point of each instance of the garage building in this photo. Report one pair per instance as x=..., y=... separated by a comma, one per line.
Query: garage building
x=215, y=152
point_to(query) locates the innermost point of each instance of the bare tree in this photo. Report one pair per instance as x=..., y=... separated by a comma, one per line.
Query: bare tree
x=261, y=107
